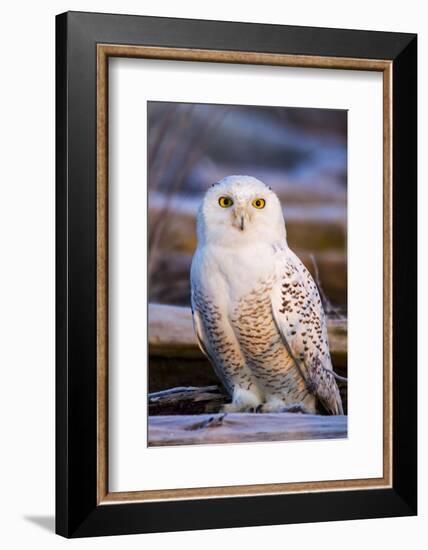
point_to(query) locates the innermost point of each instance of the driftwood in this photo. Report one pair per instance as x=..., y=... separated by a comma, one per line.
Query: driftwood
x=192, y=400
x=171, y=334
x=243, y=427
x=187, y=400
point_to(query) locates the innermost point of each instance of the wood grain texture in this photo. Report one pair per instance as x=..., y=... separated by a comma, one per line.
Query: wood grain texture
x=187, y=400
x=209, y=429
x=102, y=276
x=256, y=58
x=171, y=334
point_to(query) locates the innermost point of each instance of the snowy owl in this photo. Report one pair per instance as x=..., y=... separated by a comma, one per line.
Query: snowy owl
x=257, y=313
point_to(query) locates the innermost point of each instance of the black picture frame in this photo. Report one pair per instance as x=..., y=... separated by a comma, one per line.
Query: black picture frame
x=77, y=511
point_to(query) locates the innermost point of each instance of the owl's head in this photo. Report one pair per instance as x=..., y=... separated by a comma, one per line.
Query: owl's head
x=240, y=210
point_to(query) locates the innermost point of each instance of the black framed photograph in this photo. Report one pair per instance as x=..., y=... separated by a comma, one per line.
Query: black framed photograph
x=236, y=253
x=226, y=247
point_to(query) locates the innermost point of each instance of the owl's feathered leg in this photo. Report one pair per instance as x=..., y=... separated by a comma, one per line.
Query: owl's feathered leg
x=278, y=404
x=244, y=400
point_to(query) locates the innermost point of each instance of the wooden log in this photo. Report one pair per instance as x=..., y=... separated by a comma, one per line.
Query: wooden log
x=195, y=400
x=171, y=334
x=187, y=400
x=243, y=427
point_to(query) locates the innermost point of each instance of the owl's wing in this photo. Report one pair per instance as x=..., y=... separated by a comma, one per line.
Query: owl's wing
x=299, y=316
x=209, y=335
x=200, y=334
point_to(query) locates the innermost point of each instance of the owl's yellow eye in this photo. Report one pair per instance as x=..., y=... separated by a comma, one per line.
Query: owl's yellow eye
x=259, y=203
x=225, y=202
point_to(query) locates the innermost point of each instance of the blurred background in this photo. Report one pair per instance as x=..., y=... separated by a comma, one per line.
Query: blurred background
x=300, y=153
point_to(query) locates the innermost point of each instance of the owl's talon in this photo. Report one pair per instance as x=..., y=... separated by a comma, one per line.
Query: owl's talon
x=296, y=408
x=235, y=408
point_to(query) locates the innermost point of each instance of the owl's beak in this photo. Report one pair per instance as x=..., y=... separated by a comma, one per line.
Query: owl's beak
x=241, y=217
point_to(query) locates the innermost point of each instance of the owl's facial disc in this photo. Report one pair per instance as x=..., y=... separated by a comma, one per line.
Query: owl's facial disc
x=239, y=210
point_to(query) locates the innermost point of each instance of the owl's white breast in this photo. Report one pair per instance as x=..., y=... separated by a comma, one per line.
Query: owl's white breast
x=229, y=273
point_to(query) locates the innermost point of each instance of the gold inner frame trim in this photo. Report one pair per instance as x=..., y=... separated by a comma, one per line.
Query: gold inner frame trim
x=104, y=51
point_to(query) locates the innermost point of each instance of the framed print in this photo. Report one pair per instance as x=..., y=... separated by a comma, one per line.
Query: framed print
x=236, y=254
